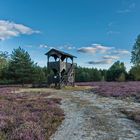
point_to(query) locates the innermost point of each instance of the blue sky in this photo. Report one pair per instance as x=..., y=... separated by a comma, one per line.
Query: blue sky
x=98, y=32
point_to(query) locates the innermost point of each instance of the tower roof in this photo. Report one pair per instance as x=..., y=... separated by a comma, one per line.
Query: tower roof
x=58, y=52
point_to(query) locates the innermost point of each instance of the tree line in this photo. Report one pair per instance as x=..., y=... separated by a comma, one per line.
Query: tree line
x=117, y=72
x=18, y=68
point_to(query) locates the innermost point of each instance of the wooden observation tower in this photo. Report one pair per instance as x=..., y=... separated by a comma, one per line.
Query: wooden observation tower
x=61, y=71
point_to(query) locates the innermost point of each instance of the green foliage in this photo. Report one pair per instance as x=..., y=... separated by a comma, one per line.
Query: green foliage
x=135, y=59
x=103, y=73
x=115, y=71
x=3, y=64
x=87, y=74
x=39, y=74
x=3, y=60
x=45, y=70
x=135, y=73
x=20, y=66
x=121, y=78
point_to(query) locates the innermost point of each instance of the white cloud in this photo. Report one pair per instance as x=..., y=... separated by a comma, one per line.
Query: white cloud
x=95, y=48
x=111, y=52
x=62, y=47
x=120, y=52
x=70, y=47
x=66, y=47
x=10, y=29
x=107, y=54
x=87, y=50
x=107, y=59
x=99, y=62
x=111, y=57
x=43, y=46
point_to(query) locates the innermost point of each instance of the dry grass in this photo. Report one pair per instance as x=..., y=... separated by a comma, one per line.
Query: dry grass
x=36, y=90
x=77, y=88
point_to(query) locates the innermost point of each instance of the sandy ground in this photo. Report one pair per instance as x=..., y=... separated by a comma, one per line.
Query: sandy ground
x=92, y=117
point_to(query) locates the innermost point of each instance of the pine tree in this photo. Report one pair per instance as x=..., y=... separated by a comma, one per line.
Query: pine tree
x=115, y=71
x=21, y=66
x=3, y=63
x=135, y=59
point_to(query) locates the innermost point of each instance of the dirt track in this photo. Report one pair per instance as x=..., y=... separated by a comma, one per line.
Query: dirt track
x=92, y=117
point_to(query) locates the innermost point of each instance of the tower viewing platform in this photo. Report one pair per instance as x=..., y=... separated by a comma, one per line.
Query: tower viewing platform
x=61, y=70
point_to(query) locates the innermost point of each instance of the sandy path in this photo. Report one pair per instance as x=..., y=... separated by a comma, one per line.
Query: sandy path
x=92, y=117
